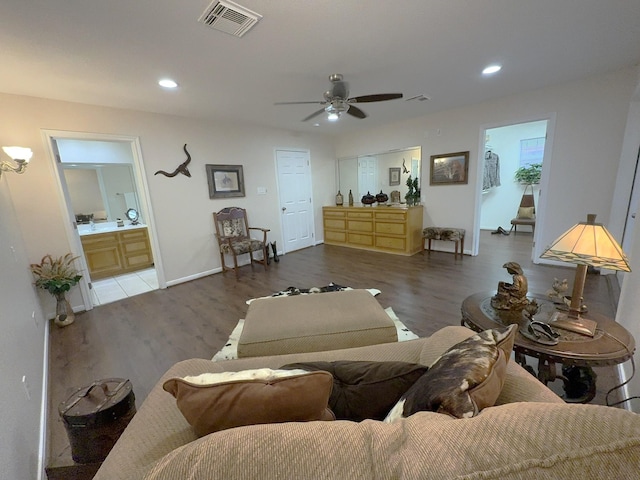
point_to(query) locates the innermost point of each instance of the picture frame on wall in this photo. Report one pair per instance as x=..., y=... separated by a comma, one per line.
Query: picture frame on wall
x=225, y=181
x=394, y=176
x=449, y=169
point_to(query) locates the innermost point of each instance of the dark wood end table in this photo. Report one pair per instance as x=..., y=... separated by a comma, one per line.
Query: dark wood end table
x=577, y=354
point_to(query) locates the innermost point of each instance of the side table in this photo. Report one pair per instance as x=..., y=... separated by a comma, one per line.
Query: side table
x=577, y=354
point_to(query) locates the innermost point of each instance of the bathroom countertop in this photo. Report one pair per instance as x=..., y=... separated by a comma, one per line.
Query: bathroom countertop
x=107, y=227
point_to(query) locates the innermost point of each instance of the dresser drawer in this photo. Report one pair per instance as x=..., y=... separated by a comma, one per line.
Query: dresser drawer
x=332, y=236
x=334, y=213
x=363, y=215
x=391, y=215
x=335, y=223
x=391, y=228
x=360, y=226
x=361, y=239
x=391, y=243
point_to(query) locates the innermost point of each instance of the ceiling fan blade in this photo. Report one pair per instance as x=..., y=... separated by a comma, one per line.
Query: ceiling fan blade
x=379, y=97
x=356, y=112
x=300, y=103
x=314, y=114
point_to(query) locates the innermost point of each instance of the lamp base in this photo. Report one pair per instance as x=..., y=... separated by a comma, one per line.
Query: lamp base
x=578, y=324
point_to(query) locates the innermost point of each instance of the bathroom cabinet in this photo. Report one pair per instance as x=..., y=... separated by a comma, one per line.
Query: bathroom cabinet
x=117, y=252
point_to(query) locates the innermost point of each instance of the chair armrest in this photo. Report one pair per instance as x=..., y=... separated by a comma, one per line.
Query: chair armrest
x=263, y=230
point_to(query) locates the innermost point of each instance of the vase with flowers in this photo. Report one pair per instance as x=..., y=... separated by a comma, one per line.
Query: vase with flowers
x=57, y=276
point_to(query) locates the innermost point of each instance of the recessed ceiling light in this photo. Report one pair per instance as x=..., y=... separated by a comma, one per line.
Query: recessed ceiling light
x=167, y=83
x=491, y=69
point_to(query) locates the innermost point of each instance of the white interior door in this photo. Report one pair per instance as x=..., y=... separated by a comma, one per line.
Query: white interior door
x=367, y=176
x=294, y=187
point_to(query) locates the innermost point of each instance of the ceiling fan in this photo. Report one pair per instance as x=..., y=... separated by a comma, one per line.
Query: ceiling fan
x=336, y=100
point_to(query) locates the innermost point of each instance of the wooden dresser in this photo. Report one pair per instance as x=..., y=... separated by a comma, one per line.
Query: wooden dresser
x=385, y=229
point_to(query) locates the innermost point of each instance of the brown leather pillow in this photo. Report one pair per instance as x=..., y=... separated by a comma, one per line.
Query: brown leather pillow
x=235, y=399
x=365, y=390
x=465, y=379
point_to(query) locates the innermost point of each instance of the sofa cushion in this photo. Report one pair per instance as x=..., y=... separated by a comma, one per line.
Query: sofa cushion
x=554, y=441
x=465, y=379
x=217, y=401
x=363, y=389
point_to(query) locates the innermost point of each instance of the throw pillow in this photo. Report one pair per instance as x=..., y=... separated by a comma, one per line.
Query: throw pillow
x=526, y=212
x=365, y=390
x=213, y=402
x=465, y=379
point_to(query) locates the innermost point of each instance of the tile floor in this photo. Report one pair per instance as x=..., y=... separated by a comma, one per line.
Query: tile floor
x=107, y=290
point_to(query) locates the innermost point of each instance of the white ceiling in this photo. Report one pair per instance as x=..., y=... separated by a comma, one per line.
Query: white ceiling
x=113, y=52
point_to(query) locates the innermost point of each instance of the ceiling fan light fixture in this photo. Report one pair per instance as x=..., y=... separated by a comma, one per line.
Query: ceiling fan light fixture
x=333, y=116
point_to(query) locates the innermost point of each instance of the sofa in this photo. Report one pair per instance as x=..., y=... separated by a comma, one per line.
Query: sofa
x=529, y=433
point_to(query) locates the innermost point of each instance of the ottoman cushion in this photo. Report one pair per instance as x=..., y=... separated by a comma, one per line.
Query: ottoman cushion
x=314, y=323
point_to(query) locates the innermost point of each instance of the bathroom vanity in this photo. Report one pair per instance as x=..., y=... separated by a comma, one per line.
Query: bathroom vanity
x=111, y=250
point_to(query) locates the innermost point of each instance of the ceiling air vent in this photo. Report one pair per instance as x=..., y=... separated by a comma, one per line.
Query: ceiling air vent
x=229, y=17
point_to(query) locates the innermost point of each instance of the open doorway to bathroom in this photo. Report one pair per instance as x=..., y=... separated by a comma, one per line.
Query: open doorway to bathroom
x=505, y=149
x=101, y=180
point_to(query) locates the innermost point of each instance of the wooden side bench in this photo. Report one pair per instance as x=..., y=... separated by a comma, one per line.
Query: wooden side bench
x=445, y=233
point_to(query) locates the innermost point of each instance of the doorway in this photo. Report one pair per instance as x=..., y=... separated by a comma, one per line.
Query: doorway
x=504, y=149
x=294, y=190
x=104, y=175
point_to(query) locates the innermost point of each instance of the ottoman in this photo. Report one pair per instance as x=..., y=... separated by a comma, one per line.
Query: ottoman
x=314, y=323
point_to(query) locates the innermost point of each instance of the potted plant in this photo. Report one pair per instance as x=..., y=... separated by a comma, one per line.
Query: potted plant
x=413, y=195
x=529, y=175
x=57, y=276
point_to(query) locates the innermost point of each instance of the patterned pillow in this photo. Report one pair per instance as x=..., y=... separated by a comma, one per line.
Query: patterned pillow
x=465, y=379
x=233, y=227
x=216, y=401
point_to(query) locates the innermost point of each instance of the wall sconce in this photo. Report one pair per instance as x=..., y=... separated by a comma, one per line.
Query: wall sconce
x=21, y=157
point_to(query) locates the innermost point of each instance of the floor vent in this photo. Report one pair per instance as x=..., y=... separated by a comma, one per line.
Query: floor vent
x=229, y=17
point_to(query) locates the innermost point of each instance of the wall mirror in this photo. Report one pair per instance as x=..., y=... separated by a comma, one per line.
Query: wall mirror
x=386, y=171
x=104, y=191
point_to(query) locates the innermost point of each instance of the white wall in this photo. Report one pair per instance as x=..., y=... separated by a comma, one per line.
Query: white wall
x=590, y=123
x=21, y=347
x=181, y=205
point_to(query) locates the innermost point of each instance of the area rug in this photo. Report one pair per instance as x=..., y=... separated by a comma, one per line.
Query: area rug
x=332, y=287
x=230, y=350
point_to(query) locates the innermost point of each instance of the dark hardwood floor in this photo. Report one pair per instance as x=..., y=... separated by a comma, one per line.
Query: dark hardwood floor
x=140, y=337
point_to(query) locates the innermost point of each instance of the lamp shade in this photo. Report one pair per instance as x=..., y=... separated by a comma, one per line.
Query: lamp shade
x=18, y=153
x=588, y=243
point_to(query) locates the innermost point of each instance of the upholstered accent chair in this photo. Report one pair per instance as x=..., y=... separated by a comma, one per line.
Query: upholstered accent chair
x=526, y=212
x=233, y=236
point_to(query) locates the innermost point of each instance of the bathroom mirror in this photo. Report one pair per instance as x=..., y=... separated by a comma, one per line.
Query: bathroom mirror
x=387, y=171
x=101, y=190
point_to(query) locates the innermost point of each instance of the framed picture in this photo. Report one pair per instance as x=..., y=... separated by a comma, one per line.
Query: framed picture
x=449, y=168
x=394, y=176
x=225, y=181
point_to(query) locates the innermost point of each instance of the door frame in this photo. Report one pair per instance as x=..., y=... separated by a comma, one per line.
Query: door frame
x=541, y=208
x=142, y=188
x=309, y=186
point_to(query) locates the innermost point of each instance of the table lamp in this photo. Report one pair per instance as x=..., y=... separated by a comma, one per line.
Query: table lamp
x=585, y=244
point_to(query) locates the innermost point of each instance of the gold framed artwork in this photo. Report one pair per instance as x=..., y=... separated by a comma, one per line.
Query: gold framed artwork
x=449, y=169
x=225, y=181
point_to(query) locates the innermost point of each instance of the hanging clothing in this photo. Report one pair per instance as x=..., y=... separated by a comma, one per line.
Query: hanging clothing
x=491, y=176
